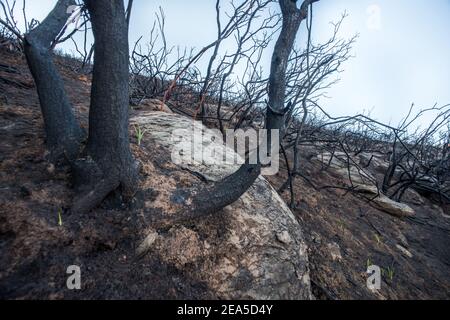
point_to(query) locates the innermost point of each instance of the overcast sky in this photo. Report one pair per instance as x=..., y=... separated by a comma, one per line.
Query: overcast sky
x=402, y=54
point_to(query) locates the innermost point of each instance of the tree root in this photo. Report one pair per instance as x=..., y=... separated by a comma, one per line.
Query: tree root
x=197, y=203
x=95, y=196
x=94, y=185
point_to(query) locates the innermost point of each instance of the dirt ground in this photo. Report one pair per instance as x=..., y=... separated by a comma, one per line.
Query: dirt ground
x=344, y=233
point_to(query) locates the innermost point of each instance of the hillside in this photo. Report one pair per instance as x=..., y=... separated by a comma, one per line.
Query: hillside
x=344, y=233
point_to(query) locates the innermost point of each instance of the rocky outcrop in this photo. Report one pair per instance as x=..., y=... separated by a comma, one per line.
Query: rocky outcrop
x=253, y=249
x=413, y=197
x=374, y=160
x=384, y=203
x=350, y=170
x=153, y=105
x=345, y=166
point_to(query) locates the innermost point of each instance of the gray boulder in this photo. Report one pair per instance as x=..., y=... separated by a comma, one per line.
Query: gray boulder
x=253, y=249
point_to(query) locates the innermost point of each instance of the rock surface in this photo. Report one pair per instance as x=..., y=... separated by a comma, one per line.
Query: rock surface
x=365, y=182
x=153, y=105
x=253, y=249
x=346, y=168
x=386, y=204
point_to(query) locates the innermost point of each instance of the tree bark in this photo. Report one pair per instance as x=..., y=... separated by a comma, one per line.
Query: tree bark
x=389, y=174
x=63, y=131
x=292, y=18
x=109, y=163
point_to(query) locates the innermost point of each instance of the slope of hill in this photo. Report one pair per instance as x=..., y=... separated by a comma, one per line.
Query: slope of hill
x=344, y=233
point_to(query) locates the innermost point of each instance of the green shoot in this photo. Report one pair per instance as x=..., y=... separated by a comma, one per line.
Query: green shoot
x=60, y=217
x=378, y=239
x=341, y=224
x=369, y=262
x=390, y=273
x=139, y=133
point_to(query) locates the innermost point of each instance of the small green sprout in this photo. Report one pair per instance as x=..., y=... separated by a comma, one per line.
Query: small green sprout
x=60, y=217
x=341, y=224
x=369, y=262
x=390, y=273
x=139, y=133
x=378, y=238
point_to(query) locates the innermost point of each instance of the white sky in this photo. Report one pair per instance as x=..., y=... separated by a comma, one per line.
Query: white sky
x=402, y=54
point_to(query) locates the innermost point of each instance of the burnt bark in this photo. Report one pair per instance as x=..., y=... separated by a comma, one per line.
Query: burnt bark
x=202, y=201
x=63, y=132
x=108, y=162
x=389, y=175
x=292, y=18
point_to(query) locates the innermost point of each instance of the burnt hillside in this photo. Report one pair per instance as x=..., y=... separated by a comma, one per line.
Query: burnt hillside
x=344, y=232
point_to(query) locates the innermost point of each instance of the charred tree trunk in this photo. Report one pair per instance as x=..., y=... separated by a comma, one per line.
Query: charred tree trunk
x=63, y=132
x=292, y=18
x=211, y=199
x=389, y=175
x=276, y=110
x=108, y=163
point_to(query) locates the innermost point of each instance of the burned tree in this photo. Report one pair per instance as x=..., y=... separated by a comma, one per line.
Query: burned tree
x=108, y=162
x=310, y=72
x=155, y=64
x=419, y=160
x=210, y=199
x=292, y=17
x=105, y=162
x=239, y=25
x=242, y=17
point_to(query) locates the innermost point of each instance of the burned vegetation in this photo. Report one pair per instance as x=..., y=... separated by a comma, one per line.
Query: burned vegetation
x=87, y=176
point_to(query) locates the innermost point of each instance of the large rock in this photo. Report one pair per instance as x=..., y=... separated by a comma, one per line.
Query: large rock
x=344, y=165
x=413, y=197
x=253, y=249
x=364, y=182
x=153, y=105
x=374, y=160
x=386, y=204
